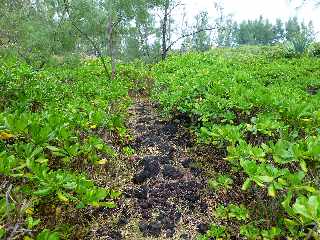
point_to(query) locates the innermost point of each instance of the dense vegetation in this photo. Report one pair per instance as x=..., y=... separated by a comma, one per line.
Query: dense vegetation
x=118, y=118
x=59, y=127
x=63, y=131
x=262, y=109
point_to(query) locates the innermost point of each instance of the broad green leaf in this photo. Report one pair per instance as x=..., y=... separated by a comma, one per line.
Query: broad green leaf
x=247, y=184
x=272, y=191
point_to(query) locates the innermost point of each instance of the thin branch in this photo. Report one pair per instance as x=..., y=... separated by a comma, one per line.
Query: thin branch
x=188, y=35
x=8, y=197
x=115, y=24
x=65, y=10
x=14, y=231
x=175, y=6
x=96, y=48
x=93, y=43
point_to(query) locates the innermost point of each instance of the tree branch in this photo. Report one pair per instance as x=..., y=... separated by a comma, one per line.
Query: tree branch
x=93, y=43
x=175, y=6
x=188, y=35
x=96, y=48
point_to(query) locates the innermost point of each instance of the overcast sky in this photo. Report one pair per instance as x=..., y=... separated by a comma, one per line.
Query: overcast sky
x=252, y=9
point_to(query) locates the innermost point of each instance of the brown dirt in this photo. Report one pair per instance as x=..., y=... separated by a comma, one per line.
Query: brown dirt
x=166, y=198
x=164, y=184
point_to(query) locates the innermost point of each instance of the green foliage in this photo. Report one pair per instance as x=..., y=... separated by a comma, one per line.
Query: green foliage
x=221, y=182
x=47, y=235
x=253, y=103
x=259, y=31
x=299, y=36
x=251, y=232
x=314, y=50
x=308, y=208
x=266, y=175
x=239, y=213
x=215, y=231
x=218, y=134
x=2, y=232
x=267, y=124
x=43, y=32
x=31, y=223
x=262, y=32
x=6, y=208
x=201, y=41
x=53, y=121
x=303, y=212
x=128, y=151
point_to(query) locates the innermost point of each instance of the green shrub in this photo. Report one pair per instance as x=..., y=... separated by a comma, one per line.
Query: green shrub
x=253, y=103
x=314, y=50
x=50, y=121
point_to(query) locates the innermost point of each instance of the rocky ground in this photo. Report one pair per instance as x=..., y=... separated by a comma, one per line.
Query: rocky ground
x=166, y=197
x=165, y=193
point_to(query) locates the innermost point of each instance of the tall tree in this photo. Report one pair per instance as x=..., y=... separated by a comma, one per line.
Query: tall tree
x=137, y=41
x=201, y=40
x=166, y=7
x=279, y=31
x=30, y=29
x=298, y=34
x=104, y=23
x=226, y=31
x=259, y=31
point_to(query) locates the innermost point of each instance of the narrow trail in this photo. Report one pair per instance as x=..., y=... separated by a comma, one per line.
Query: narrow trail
x=167, y=197
x=165, y=183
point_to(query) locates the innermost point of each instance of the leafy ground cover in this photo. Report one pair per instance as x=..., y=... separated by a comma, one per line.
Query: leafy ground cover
x=61, y=130
x=235, y=156
x=257, y=110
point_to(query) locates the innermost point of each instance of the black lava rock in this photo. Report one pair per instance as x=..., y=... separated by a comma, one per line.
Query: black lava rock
x=166, y=159
x=150, y=142
x=145, y=214
x=141, y=177
x=177, y=216
x=187, y=163
x=141, y=193
x=170, y=233
x=152, y=167
x=171, y=172
x=196, y=171
x=166, y=222
x=155, y=229
x=143, y=227
x=170, y=129
x=202, y=228
x=184, y=237
x=203, y=207
x=193, y=198
x=123, y=221
x=128, y=193
x=114, y=235
x=145, y=204
x=148, y=160
x=124, y=218
x=136, y=144
x=152, y=229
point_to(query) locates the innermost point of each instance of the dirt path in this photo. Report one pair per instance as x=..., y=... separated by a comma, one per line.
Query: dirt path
x=167, y=195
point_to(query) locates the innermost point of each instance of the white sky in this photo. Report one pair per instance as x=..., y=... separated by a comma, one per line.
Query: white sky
x=252, y=9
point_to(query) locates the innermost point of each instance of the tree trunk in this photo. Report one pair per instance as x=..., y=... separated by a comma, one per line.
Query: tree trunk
x=95, y=46
x=164, y=30
x=111, y=47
